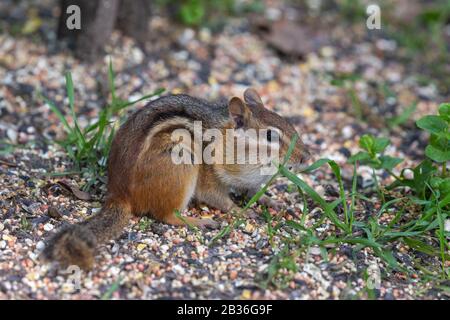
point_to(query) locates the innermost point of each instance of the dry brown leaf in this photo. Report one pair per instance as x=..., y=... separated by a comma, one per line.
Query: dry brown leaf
x=7, y=163
x=54, y=213
x=75, y=191
x=292, y=38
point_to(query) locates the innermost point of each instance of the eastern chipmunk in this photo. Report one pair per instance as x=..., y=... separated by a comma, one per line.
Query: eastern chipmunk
x=144, y=180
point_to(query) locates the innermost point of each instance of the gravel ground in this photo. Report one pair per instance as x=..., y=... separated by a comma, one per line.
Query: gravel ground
x=153, y=260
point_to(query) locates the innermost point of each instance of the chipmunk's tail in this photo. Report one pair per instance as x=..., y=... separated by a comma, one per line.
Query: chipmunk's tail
x=76, y=244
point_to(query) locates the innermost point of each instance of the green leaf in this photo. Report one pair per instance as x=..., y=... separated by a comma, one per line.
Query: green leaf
x=444, y=111
x=421, y=175
x=373, y=145
x=380, y=144
x=364, y=159
x=366, y=142
x=360, y=156
x=389, y=163
x=432, y=124
x=444, y=187
x=192, y=12
x=436, y=154
x=440, y=142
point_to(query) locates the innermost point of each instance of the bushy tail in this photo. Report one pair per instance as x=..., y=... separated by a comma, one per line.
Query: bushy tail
x=76, y=244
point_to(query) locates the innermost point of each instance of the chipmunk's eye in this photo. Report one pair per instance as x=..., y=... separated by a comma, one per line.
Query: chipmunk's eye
x=272, y=135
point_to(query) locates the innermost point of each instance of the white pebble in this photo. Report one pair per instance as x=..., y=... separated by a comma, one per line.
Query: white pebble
x=48, y=227
x=178, y=269
x=273, y=14
x=447, y=225
x=31, y=130
x=40, y=245
x=96, y=210
x=320, y=190
x=347, y=132
x=12, y=135
x=314, y=251
x=186, y=36
x=201, y=249
x=33, y=256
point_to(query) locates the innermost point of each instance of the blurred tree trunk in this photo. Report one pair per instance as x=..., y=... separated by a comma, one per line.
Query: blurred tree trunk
x=98, y=20
x=133, y=19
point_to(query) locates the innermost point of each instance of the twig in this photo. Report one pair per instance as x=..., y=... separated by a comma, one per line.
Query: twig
x=9, y=164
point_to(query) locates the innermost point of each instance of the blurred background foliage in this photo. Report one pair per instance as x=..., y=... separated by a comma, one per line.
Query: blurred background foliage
x=211, y=13
x=420, y=28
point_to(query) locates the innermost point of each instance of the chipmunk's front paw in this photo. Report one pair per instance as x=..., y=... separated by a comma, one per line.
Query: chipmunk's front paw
x=249, y=212
x=266, y=201
x=234, y=209
x=207, y=224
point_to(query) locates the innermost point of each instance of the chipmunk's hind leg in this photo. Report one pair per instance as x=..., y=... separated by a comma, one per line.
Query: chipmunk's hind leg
x=166, y=191
x=185, y=192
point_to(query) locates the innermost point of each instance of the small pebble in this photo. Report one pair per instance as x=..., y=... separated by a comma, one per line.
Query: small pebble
x=48, y=227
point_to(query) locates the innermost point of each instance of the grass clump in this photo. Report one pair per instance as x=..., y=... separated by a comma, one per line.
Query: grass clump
x=88, y=148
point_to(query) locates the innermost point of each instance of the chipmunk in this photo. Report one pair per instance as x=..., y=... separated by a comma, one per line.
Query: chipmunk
x=143, y=179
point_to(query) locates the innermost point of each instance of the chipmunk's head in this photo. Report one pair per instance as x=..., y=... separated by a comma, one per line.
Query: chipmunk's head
x=275, y=132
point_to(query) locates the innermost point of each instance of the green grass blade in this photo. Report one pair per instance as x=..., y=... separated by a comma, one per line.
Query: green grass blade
x=404, y=116
x=337, y=172
x=58, y=113
x=315, y=196
x=157, y=92
x=71, y=96
x=353, y=197
x=113, y=288
x=225, y=231
x=111, y=81
x=424, y=247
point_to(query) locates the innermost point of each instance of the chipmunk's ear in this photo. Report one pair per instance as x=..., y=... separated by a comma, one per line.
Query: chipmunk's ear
x=252, y=98
x=239, y=112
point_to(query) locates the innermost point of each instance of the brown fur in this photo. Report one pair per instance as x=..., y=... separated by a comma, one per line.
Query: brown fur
x=143, y=180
